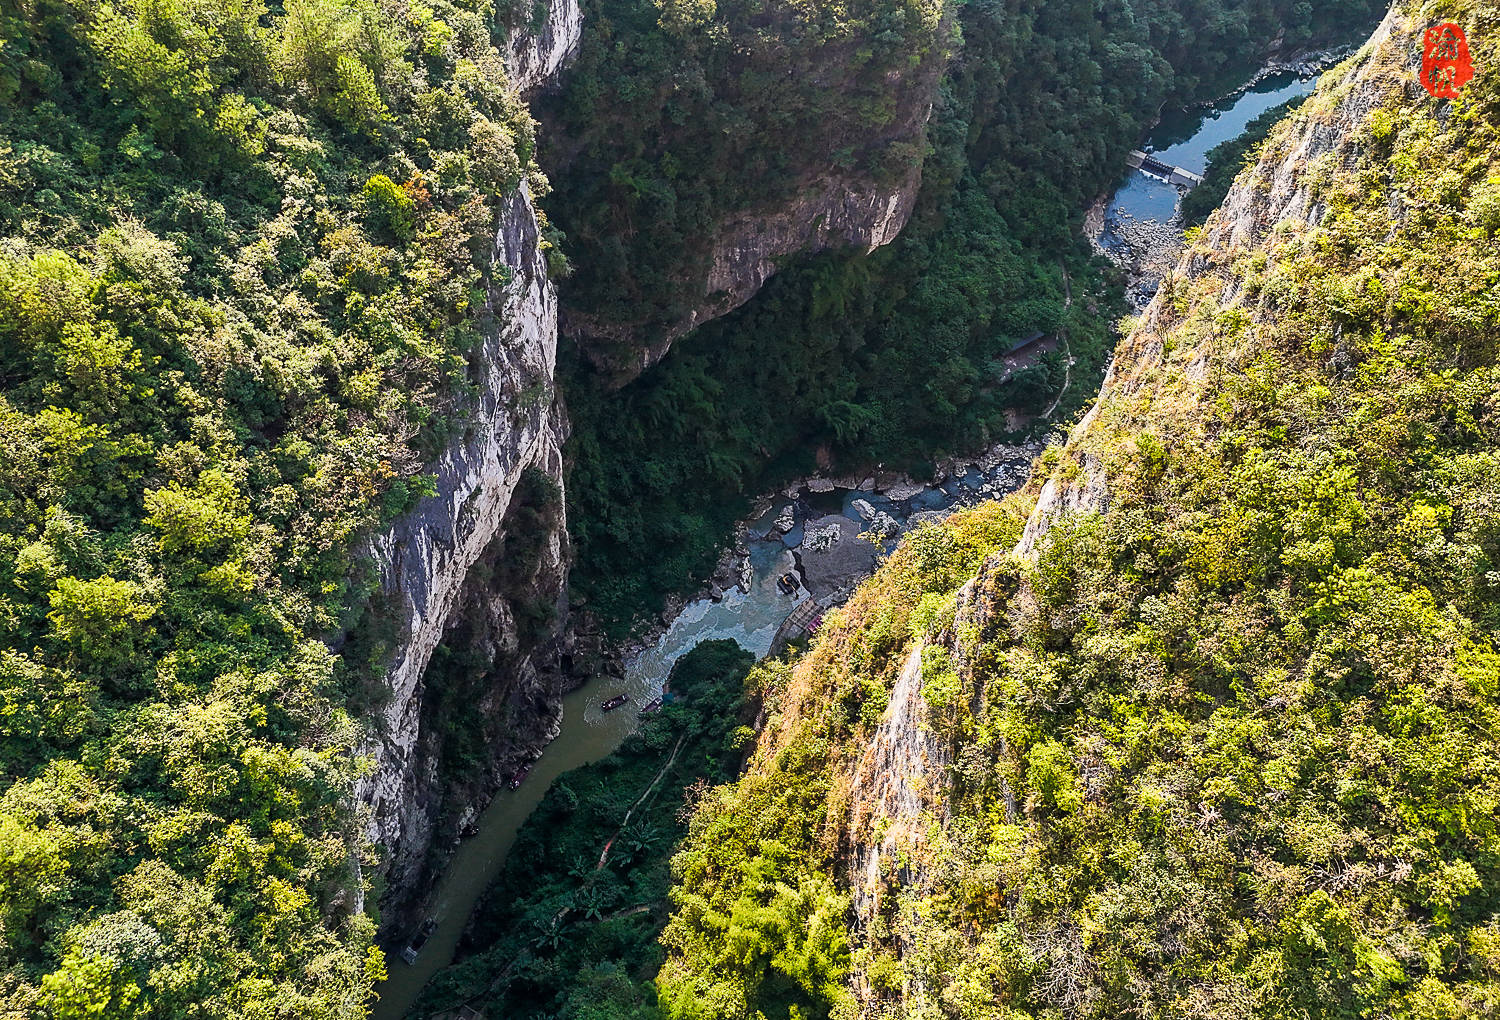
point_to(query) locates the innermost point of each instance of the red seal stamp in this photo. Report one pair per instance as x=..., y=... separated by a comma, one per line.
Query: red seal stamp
x=1446, y=66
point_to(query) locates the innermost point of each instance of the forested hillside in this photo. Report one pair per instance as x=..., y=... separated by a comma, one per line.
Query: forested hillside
x=245, y=255
x=890, y=357
x=1206, y=723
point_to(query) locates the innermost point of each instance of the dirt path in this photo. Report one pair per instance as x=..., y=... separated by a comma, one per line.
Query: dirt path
x=604, y=854
x=1067, y=348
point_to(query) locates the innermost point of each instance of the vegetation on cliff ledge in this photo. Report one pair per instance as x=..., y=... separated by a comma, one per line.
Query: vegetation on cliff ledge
x=1228, y=745
x=244, y=253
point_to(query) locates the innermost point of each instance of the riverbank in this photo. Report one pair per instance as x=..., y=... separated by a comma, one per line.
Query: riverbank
x=571, y=922
x=828, y=533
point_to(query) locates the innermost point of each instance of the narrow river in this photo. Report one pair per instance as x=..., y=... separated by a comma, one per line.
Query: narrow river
x=1184, y=138
x=751, y=618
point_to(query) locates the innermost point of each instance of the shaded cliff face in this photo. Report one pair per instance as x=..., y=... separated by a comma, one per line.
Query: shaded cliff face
x=477, y=572
x=487, y=548
x=1212, y=730
x=744, y=251
x=693, y=145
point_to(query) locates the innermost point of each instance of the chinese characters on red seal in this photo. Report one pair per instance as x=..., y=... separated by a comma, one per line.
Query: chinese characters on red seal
x=1446, y=66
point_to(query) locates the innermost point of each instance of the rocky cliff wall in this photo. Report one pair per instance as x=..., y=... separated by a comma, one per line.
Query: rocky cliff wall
x=901, y=790
x=832, y=212
x=425, y=559
x=691, y=154
x=480, y=566
x=534, y=54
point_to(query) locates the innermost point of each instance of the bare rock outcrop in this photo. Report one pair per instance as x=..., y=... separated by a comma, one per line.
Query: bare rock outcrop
x=534, y=55
x=427, y=558
x=481, y=565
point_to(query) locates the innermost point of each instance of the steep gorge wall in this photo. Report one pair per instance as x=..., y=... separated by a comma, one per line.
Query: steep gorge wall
x=481, y=564
x=536, y=53
x=895, y=811
x=834, y=211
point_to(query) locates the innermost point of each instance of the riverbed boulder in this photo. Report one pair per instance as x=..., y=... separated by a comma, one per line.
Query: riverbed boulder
x=864, y=509
x=834, y=559
x=822, y=536
x=787, y=519
x=883, y=527
x=903, y=491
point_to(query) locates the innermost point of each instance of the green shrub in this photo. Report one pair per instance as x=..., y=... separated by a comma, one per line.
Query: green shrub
x=390, y=211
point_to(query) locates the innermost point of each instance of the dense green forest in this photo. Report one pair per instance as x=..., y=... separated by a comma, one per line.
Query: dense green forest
x=1228, y=743
x=570, y=927
x=891, y=357
x=245, y=249
x=245, y=262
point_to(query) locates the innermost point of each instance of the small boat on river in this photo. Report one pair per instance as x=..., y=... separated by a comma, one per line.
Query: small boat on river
x=519, y=776
x=615, y=702
x=409, y=954
x=654, y=705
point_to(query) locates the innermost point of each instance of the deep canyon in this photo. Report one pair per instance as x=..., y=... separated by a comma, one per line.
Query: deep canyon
x=1018, y=609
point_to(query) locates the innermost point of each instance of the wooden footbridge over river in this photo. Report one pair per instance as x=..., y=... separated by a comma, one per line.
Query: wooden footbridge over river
x=1147, y=163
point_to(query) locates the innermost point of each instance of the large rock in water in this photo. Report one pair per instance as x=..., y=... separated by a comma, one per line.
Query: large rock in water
x=822, y=536
x=833, y=557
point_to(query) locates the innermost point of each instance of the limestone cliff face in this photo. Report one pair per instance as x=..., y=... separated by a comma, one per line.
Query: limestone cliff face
x=766, y=134
x=480, y=566
x=832, y=212
x=427, y=559
x=535, y=55
x=900, y=792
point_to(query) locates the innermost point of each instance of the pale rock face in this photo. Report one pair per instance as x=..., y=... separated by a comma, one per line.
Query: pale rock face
x=532, y=57
x=787, y=519
x=424, y=559
x=836, y=213
x=891, y=801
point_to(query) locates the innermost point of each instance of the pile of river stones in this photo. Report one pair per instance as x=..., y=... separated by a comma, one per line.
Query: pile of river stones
x=1147, y=251
x=828, y=552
